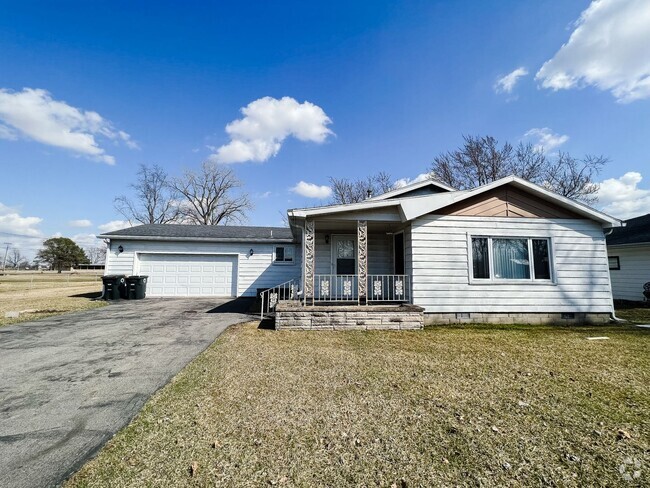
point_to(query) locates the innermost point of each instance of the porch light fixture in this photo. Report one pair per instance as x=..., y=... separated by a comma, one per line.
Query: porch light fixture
x=120, y=249
x=250, y=253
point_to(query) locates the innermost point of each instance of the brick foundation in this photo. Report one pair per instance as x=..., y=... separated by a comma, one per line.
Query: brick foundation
x=291, y=315
x=516, y=318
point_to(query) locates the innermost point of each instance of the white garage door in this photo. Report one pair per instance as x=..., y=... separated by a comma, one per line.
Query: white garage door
x=189, y=275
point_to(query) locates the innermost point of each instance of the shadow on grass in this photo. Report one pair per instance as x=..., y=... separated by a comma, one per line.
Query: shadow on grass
x=267, y=324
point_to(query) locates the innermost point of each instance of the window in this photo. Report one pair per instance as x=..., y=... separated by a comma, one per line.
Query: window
x=345, y=257
x=508, y=258
x=283, y=255
x=614, y=262
x=480, y=258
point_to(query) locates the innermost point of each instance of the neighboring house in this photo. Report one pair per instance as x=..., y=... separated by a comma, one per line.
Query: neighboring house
x=628, y=249
x=509, y=251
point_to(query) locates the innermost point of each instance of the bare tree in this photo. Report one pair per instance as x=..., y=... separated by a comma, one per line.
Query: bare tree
x=481, y=160
x=211, y=196
x=96, y=254
x=154, y=201
x=345, y=190
x=15, y=259
x=574, y=178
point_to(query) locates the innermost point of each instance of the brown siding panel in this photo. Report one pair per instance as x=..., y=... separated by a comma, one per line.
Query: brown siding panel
x=507, y=202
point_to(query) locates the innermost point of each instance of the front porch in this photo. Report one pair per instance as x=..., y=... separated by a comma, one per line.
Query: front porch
x=354, y=276
x=359, y=261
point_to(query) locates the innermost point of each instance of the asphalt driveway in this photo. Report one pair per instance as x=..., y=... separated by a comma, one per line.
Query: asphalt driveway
x=69, y=383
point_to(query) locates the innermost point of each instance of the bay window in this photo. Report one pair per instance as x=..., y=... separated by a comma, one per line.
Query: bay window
x=510, y=259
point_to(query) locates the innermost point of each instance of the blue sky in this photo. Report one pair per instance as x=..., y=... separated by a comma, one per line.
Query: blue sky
x=389, y=85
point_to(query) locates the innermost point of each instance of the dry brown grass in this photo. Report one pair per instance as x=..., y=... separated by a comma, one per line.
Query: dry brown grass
x=471, y=405
x=636, y=313
x=45, y=294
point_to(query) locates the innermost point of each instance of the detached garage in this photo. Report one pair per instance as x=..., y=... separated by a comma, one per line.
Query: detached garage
x=204, y=261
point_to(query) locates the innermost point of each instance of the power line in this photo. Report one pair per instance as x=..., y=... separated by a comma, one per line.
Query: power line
x=22, y=236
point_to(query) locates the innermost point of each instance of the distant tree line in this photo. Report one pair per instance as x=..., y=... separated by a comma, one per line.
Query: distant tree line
x=57, y=253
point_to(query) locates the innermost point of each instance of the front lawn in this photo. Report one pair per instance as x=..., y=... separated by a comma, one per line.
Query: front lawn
x=461, y=405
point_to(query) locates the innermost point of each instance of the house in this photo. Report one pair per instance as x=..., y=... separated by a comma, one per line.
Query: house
x=628, y=250
x=509, y=251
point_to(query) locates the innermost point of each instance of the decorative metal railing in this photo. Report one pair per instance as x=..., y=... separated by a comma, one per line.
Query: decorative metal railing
x=336, y=288
x=345, y=288
x=389, y=288
x=270, y=297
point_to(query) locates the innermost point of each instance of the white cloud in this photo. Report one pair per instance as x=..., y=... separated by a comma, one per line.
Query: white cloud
x=114, y=225
x=7, y=133
x=407, y=181
x=622, y=197
x=507, y=83
x=609, y=49
x=267, y=122
x=544, y=139
x=86, y=240
x=80, y=223
x=310, y=190
x=20, y=232
x=12, y=223
x=32, y=113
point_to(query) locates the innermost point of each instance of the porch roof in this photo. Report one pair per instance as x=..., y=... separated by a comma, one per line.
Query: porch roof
x=409, y=208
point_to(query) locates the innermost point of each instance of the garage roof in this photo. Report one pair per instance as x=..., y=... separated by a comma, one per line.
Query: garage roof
x=203, y=232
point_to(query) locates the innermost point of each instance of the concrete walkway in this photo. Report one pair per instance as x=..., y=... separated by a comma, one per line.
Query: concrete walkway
x=69, y=383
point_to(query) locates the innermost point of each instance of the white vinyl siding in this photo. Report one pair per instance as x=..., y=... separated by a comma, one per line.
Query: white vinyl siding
x=441, y=266
x=627, y=282
x=253, y=272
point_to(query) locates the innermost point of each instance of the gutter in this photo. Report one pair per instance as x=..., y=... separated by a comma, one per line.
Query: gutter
x=196, y=239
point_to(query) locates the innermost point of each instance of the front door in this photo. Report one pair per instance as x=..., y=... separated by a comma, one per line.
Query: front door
x=398, y=253
x=345, y=255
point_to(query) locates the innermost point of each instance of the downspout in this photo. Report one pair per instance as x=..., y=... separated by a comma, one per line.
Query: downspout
x=609, y=277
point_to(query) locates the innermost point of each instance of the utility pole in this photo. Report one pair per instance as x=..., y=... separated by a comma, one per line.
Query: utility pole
x=4, y=262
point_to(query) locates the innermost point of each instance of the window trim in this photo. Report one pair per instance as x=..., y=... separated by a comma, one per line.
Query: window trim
x=497, y=281
x=618, y=263
x=284, y=263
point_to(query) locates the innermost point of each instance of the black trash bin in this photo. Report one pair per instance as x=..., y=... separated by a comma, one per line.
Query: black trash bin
x=136, y=287
x=113, y=286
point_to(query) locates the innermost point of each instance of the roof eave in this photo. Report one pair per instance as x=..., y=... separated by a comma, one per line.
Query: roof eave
x=411, y=187
x=347, y=207
x=198, y=239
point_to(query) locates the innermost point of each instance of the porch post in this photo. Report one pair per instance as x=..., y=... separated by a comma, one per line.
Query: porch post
x=362, y=260
x=310, y=239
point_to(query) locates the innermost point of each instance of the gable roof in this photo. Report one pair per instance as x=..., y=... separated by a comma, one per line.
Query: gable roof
x=413, y=207
x=221, y=233
x=438, y=185
x=636, y=231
